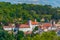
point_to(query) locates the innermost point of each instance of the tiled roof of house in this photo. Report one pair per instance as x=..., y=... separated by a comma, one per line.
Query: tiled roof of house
x=44, y=25
x=34, y=23
x=8, y=26
x=24, y=26
x=47, y=25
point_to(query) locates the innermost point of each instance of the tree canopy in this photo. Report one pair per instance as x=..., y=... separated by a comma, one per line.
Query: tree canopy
x=13, y=12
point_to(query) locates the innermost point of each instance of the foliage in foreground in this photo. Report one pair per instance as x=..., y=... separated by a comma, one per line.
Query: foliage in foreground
x=5, y=36
x=51, y=35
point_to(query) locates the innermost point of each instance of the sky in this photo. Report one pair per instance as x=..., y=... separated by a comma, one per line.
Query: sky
x=55, y=3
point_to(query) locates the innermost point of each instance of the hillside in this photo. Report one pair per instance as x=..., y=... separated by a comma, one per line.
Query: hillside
x=23, y=12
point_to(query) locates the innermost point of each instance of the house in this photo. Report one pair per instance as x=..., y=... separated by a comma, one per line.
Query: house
x=9, y=27
x=57, y=25
x=45, y=26
x=33, y=24
x=26, y=28
x=42, y=20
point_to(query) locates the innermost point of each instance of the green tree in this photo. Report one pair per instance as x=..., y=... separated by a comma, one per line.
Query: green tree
x=5, y=36
x=20, y=35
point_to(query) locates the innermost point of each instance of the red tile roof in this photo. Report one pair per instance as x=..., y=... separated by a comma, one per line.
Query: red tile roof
x=34, y=23
x=47, y=25
x=8, y=26
x=24, y=26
